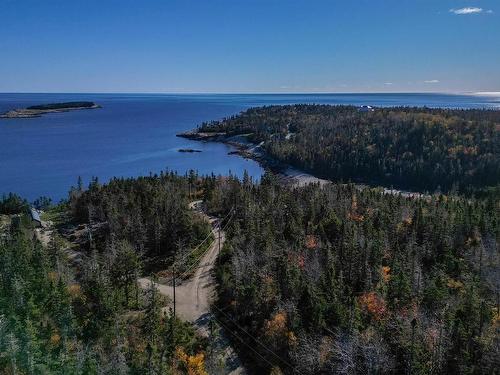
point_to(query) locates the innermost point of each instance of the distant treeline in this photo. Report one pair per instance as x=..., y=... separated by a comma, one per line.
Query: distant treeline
x=150, y=213
x=12, y=204
x=62, y=105
x=412, y=148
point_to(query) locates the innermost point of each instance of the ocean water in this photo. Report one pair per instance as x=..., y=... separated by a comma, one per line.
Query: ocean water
x=134, y=134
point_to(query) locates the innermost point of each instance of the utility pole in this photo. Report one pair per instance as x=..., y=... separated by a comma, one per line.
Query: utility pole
x=173, y=316
x=219, y=236
x=211, y=334
x=413, y=324
x=174, y=276
x=89, y=229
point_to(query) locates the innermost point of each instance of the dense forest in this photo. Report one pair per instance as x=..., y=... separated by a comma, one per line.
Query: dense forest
x=315, y=279
x=61, y=316
x=12, y=204
x=338, y=279
x=151, y=213
x=52, y=323
x=420, y=149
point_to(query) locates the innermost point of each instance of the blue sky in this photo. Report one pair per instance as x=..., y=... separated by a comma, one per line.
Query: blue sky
x=249, y=45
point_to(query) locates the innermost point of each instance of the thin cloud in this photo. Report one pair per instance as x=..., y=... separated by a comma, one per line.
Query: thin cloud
x=388, y=83
x=469, y=10
x=432, y=81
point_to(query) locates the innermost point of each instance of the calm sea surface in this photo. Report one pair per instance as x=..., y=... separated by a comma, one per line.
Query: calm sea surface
x=135, y=134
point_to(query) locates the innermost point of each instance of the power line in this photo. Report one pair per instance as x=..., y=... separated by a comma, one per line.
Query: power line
x=194, y=265
x=201, y=254
x=207, y=237
x=256, y=340
x=243, y=341
x=231, y=211
x=184, y=257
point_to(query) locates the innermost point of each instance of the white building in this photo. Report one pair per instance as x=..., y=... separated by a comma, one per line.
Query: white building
x=366, y=108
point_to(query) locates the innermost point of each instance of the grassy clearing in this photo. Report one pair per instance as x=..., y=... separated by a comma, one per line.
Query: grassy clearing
x=194, y=256
x=57, y=214
x=4, y=221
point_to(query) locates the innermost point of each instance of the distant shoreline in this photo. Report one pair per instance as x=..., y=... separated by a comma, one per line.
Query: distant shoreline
x=287, y=174
x=39, y=110
x=248, y=150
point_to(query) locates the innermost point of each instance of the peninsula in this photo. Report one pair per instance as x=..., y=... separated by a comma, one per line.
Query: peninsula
x=409, y=148
x=39, y=110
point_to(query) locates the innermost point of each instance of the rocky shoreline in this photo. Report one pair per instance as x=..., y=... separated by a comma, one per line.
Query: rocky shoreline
x=38, y=111
x=242, y=147
x=201, y=136
x=286, y=174
x=249, y=150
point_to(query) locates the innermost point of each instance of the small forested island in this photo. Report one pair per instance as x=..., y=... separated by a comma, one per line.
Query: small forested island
x=410, y=148
x=39, y=110
x=189, y=150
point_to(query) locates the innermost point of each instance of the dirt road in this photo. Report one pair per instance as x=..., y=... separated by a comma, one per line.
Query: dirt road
x=193, y=299
x=194, y=296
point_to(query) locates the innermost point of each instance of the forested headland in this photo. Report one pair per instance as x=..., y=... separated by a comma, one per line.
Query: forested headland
x=419, y=149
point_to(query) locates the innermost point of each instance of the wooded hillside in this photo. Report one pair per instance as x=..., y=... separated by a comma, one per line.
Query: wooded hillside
x=336, y=279
x=59, y=315
x=419, y=149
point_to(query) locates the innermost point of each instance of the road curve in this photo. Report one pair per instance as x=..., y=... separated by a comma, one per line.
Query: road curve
x=194, y=296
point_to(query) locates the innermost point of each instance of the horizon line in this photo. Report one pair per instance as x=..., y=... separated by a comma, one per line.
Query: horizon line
x=486, y=93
